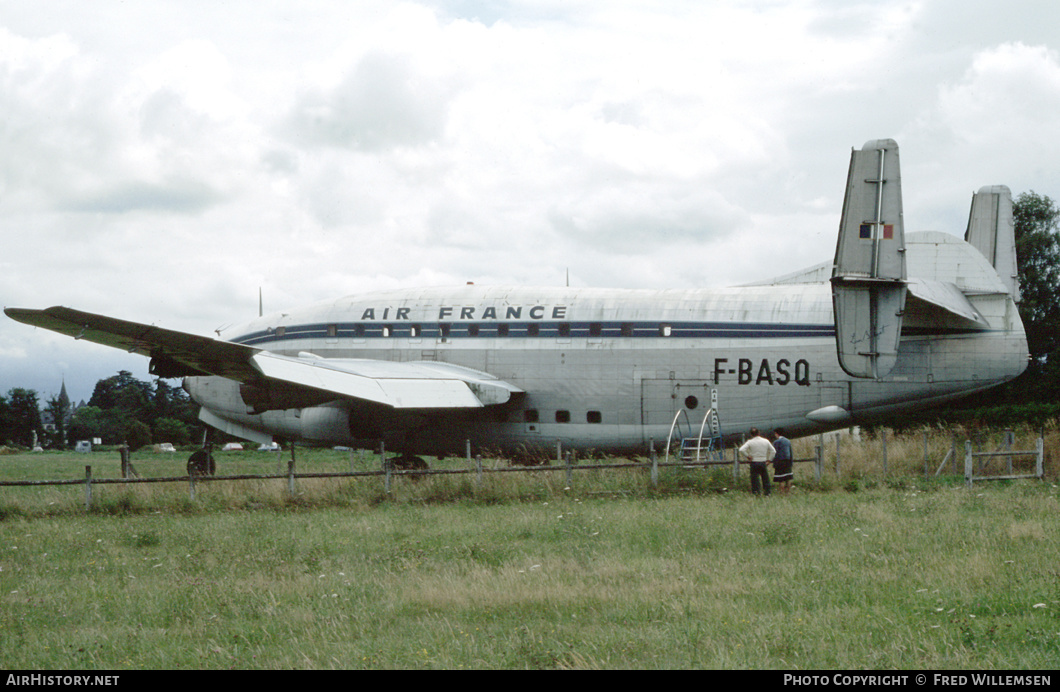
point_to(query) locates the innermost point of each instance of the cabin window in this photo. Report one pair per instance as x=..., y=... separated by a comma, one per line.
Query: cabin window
x=563, y=416
x=627, y=329
x=533, y=329
x=333, y=330
x=280, y=331
x=564, y=329
x=665, y=330
x=530, y=415
x=502, y=330
x=415, y=331
x=388, y=331
x=691, y=402
x=596, y=329
x=358, y=331
x=472, y=330
x=594, y=417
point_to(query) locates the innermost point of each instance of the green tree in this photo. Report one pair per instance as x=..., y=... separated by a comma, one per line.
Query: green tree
x=88, y=422
x=5, y=423
x=137, y=435
x=1037, y=220
x=23, y=416
x=1037, y=228
x=57, y=408
x=171, y=430
x=123, y=400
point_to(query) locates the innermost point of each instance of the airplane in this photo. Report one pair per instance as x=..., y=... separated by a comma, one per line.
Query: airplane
x=894, y=323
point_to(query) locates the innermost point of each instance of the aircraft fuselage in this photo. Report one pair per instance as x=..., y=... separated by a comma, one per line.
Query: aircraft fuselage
x=609, y=369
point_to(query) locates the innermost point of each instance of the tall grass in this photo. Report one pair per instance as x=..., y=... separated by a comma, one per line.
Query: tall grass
x=524, y=571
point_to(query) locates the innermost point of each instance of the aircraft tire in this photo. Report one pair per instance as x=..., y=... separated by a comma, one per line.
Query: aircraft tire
x=201, y=463
x=408, y=462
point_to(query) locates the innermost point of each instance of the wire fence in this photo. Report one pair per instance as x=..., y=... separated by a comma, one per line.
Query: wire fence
x=566, y=463
x=387, y=473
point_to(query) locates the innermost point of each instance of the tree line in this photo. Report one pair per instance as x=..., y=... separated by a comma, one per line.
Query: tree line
x=122, y=409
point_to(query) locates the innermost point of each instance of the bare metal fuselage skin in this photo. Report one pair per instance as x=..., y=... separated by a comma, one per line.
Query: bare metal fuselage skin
x=609, y=369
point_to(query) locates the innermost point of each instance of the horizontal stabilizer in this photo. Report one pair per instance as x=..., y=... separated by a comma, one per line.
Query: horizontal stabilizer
x=868, y=275
x=992, y=231
x=948, y=297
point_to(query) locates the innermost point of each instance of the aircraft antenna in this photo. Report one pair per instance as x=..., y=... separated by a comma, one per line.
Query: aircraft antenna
x=261, y=308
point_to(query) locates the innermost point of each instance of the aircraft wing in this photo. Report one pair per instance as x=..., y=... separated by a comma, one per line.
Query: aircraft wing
x=173, y=354
x=272, y=377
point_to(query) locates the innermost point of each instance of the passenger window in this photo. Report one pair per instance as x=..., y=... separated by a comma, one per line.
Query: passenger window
x=533, y=329
x=530, y=415
x=502, y=330
x=593, y=417
x=415, y=331
x=596, y=329
x=563, y=416
x=627, y=329
x=472, y=330
x=564, y=329
x=333, y=330
x=665, y=330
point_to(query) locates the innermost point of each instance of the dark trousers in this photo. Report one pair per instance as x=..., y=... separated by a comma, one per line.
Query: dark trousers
x=759, y=472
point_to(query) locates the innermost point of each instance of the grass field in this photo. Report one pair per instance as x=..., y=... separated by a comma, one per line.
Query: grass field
x=863, y=570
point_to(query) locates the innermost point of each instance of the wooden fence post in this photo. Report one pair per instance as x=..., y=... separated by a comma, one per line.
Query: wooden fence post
x=925, y=455
x=88, y=488
x=884, y=437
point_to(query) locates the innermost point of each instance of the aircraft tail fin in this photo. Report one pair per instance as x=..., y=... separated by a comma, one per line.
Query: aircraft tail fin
x=992, y=232
x=868, y=274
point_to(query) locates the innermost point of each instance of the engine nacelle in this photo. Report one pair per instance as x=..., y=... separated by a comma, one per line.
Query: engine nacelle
x=325, y=423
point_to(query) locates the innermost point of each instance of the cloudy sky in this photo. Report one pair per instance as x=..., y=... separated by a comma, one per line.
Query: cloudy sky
x=162, y=161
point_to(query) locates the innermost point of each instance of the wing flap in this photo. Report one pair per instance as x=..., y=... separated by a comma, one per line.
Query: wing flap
x=395, y=384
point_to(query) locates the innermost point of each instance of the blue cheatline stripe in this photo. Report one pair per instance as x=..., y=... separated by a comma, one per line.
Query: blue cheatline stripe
x=531, y=330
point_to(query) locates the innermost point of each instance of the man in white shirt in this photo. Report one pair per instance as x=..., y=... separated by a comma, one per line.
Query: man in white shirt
x=759, y=451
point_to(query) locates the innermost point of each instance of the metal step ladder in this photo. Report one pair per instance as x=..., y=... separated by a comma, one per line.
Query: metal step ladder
x=707, y=445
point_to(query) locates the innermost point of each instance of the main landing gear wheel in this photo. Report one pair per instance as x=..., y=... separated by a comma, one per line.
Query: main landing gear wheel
x=408, y=462
x=201, y=463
